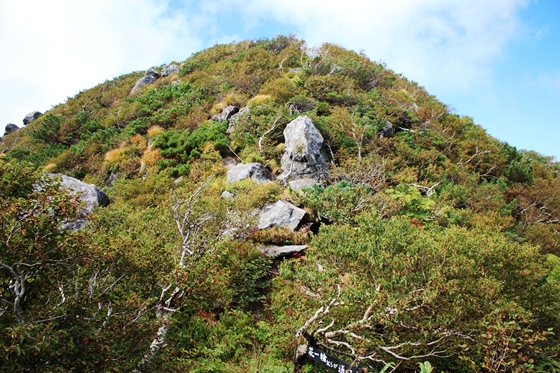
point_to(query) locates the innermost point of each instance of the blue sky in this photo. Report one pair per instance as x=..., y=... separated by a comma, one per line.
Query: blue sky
x=496, y=61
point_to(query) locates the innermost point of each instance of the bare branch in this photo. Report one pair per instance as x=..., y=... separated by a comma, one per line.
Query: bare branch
x=476, y=154
x=428, y=190
x=274, y=126
x=187, y=227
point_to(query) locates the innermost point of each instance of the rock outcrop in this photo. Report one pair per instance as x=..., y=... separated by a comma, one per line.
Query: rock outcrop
x=31, y=117
x=10, y=128
x=227, y=195
x=89, y=194
x=280, y=214
x=387, y=131
x=299, y=184
x=255, y=171
x=150, y=77
x=304, y=157
x=169, y=69
x=281, y=251
x=227, y=113
x=236, y=117
x=229, y=162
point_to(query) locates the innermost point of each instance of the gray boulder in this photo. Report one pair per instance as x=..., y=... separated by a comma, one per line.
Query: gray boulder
x=227, y=195
x=229, y=162
x=235, y=118
x=299, y=184
x=31, y=117
x=281, y=251
x=255, y=171
x=150, y=77
x=280, y=214
x=387, y=131
x=226, y=113
x=10, y=128
x=169, y=69
x=304, y=157
x=89, y=194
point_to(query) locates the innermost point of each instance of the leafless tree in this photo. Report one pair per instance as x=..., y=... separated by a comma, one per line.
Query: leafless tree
x=189, y=221
x=343, y=340
x=189, y=225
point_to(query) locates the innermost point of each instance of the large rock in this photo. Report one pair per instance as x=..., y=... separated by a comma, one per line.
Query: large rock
x=150, y=77
x=236, y=117
x=229, y=162
x=299, y=184
x=255, y=171
x=280, y=214
x=89, y=194
x=387, y=131
x=31, y=117
x=169, y=69
x=10, y=128
x=304, y=157
x=227, y=113
x=281, y=251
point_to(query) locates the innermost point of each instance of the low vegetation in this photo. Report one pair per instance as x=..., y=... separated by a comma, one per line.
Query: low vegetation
x=431, y=246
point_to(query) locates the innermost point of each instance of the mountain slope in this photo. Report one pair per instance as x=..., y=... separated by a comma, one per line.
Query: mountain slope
x=427, y=239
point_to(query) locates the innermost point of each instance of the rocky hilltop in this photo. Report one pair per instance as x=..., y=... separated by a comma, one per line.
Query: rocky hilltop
x=265, y=206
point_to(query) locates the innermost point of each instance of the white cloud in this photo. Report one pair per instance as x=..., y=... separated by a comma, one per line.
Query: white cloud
x=54, y=49
x=446, y=45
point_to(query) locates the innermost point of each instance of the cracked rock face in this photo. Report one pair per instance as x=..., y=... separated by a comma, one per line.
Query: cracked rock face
x=304, y=157
x=280, y=214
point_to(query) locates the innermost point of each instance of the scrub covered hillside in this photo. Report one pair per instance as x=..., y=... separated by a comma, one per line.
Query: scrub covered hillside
x=267, y=198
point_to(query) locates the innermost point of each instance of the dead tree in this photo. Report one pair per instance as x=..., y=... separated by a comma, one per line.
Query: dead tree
x=189, y=222
x=343, y=340
x=189, y=226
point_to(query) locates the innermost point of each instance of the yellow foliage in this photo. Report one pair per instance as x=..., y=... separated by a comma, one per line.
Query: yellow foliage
x=108, y=121
x=149, y=158
x=139, y=142
x=115, y=156
x=236, y=98
x=259, y=99
x=218, y=107
x=50, y=167
x=491, y=220
x=154, y=131
x=253, y=194
x=282, y=89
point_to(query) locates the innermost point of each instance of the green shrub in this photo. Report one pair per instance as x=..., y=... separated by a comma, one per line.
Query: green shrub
x=338, y=203
x=47, y=129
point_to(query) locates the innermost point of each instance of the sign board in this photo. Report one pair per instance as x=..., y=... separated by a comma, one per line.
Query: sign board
x=331, y=362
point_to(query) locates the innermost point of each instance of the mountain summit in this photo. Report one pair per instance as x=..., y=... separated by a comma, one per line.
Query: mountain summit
x=274, y=208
